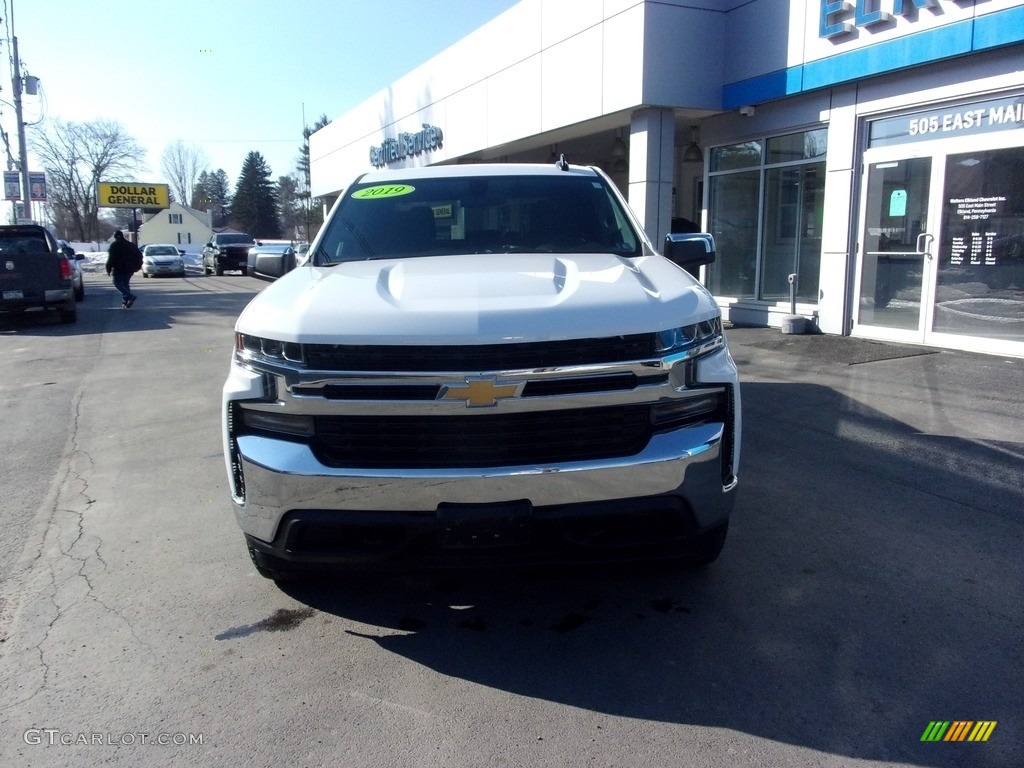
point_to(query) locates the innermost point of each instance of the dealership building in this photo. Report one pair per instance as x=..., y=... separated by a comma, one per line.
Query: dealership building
x=860, y=160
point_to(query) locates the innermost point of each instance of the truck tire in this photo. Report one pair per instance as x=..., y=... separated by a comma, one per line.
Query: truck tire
x=708, y=546
x=218, y=270
x=265, y=567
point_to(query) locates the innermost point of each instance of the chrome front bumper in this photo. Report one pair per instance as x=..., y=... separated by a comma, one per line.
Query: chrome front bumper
x=282, y=477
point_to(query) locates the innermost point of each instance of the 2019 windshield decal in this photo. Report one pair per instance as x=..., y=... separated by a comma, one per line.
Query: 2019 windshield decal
x=383, y=190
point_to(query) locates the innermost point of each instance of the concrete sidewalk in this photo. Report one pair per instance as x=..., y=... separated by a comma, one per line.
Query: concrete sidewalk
x=935, y=391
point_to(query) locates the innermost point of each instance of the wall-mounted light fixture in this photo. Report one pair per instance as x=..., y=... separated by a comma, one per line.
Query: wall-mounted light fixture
x=747, y=111
x=693, y=153
x=619, y=154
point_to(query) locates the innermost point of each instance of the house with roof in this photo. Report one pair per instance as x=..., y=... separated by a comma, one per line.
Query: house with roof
x=179, y=225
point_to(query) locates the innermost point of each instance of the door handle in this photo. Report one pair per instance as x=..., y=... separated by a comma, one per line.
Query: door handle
x=926, y=250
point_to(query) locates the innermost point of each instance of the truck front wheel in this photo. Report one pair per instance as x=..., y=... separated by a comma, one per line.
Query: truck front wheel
x=708, y=546
x=268, y=567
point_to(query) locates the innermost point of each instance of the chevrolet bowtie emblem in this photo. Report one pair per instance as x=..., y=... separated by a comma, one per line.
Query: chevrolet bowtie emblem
x=476, y=393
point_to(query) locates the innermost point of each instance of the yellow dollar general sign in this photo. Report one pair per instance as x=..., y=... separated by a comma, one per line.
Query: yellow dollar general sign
x=958, y=730
x=132, y=194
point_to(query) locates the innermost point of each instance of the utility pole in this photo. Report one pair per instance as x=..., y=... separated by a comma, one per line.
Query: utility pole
x=22, y=149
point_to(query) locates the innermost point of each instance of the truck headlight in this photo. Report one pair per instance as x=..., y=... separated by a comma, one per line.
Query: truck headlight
x=691, y=341
x=267, y=349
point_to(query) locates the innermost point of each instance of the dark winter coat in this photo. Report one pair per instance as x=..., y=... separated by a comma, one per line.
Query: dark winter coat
x=123, y=257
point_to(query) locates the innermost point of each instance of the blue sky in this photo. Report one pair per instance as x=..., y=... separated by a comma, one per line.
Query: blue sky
x=229, y=76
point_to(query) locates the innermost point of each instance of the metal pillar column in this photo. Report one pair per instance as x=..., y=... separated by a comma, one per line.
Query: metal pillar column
x=651, y=176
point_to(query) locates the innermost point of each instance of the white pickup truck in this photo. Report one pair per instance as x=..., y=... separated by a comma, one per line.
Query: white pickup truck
x=482, y=364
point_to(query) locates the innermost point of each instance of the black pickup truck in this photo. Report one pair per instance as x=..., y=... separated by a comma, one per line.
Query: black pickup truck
x=34, y=272
x=227, y=251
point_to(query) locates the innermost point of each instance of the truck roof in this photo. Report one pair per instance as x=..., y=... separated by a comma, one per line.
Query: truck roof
x=475, y=169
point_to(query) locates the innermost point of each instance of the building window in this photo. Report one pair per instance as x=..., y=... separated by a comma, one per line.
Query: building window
x=175, y=218
x=766, y=205
x=980, y=279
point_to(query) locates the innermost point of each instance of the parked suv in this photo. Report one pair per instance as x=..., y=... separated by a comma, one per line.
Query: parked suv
x=483, y=363
x=227, y=251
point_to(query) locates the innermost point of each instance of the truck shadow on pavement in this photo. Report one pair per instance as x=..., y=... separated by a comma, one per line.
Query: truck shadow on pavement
x=871, y=583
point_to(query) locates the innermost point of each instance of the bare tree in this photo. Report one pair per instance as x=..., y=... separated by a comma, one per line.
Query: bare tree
x=182, y=165
x=75, y=157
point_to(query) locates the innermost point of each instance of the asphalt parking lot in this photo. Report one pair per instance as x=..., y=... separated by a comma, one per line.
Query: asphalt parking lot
x=871, y=583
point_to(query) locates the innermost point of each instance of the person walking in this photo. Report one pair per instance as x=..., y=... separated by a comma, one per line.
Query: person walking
x=124, y=259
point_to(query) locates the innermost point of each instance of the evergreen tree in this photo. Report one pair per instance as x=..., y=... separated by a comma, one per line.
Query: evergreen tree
x=254, y=205
x=313, y=210
x=200, y=195
x=211, y=194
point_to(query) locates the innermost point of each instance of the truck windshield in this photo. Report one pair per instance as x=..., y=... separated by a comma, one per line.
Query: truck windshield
x=482, y=214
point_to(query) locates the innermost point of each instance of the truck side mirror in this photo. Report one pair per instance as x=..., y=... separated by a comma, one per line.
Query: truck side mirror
x=271, y=266
x=690, y=249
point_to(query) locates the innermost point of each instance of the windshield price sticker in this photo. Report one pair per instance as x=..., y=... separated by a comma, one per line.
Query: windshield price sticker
x=383, y=190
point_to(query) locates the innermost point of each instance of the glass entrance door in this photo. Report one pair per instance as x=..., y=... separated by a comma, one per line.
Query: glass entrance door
x=896, y=250
x=940, y=255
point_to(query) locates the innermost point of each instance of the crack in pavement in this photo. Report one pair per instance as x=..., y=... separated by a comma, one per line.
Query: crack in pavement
x=59, y=577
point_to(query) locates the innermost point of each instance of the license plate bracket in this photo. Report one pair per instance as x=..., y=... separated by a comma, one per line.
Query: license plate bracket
x=484, y=526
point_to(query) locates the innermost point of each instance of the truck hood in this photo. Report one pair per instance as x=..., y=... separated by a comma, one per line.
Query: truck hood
x=477, y=299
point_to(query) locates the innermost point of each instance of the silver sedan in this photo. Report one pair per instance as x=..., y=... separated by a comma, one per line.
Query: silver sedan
x=161, y=259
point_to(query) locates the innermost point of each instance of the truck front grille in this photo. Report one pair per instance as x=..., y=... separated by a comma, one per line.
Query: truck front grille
x=483, y=357
x=429, y=442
